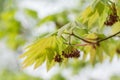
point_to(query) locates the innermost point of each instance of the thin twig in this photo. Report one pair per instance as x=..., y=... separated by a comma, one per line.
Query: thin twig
x=97, y=42
x=77, y=44
x=108, y=37
x=80, y=38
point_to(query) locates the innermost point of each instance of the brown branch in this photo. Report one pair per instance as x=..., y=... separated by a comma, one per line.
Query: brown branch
x=108, y=37
x=80, y=38
x=93, y=43
x=77, y=44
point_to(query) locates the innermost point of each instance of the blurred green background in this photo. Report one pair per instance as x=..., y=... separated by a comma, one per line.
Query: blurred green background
x=23, y=21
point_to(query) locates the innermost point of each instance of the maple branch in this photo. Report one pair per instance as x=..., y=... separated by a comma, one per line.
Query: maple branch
x=97, y=42
x=80, y=38
x=108, y=37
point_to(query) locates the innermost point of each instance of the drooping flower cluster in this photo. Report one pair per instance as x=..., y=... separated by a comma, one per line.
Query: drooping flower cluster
x=69, y=52
x=113, y=17
x=73, y=54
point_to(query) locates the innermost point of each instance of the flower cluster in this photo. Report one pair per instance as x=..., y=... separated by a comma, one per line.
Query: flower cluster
x=71, y=53
x=113, y=17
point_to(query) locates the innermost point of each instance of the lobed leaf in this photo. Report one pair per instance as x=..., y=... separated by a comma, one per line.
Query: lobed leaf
x=43, y=50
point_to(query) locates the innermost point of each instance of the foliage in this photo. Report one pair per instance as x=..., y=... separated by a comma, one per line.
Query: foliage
x=11, y=29
x=59, y=19
x=57, y=77
x=51, y=46
x=115, y=78
x=9, y=75
x=86, y=33
x=31, y=13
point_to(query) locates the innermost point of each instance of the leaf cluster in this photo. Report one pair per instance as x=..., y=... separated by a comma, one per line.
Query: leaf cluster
x=86, y=34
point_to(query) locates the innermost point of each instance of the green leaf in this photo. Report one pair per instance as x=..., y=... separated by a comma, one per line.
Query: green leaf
x=90, y=49
x=112, y=50
x=50, y=58
x=60, y=19
x=11, y=29
x=39, y=61
x=67, y=28
x=105, y=1
x=91, y=36
x=31, y=13
x=46, y=19
x=100, y=7
x=63, y=29
x=7, y=15
x=85, y=14
x=87, y=49
x=93, y=19
x=58, y=76
x=116, y=27
x=43, y=50
x=95, y=2
x=103, y=17
x=118, y=7
x=99, y=52
x=109, y=47
x=104, y=45
x=92, y=55
x=101, y=36
x=80, y=32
